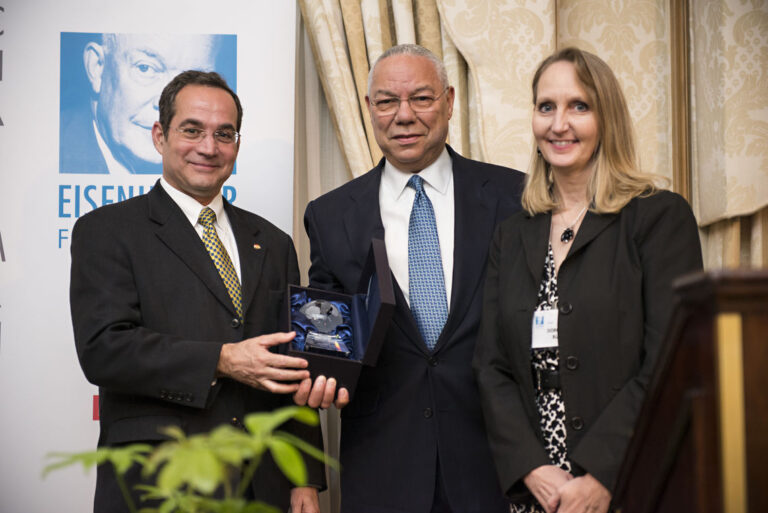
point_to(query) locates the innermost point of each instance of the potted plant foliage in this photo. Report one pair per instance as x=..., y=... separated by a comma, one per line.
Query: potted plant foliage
x=188, y=470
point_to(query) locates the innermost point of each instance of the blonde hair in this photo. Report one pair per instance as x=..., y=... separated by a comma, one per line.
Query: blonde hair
x=616, y=177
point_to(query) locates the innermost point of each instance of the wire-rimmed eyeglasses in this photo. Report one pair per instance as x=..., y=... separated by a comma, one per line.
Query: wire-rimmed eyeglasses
x=194, y=134
x=417, y=102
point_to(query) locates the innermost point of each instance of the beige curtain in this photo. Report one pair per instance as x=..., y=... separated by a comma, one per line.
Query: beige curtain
x=491, y=48
x=729, y=56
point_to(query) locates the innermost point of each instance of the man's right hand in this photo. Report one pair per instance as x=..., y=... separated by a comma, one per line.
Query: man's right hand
x=321, y=394
x=251, y=362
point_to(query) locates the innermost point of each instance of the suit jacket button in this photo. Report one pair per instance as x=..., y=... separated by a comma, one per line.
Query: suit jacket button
x=577, y=423
x=432, y=361
x=188, y=398
x=235, y=323
x=235, y=422
x=163, y=394
x=565, y=308
x=427, y=413
x=572, y=363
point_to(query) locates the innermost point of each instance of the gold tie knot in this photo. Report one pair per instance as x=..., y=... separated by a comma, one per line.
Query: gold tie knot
x=207, y=217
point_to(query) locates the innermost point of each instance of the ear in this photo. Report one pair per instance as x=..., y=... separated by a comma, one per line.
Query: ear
x=158, y=138
x=93, y=59
x=451, y=95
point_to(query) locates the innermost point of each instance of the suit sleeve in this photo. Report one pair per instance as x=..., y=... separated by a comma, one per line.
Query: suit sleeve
x=667, y=242
x=320, y=274
x=514, y=444
x=114, y=349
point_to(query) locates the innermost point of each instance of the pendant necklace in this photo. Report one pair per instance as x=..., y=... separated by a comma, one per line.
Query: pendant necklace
x=567, y=235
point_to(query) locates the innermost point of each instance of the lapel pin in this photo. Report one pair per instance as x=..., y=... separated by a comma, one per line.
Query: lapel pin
x=257, y=246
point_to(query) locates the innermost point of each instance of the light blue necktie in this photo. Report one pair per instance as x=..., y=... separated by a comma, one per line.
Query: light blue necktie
x=425, y=267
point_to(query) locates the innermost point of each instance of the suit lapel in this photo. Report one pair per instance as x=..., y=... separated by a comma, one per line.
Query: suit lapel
x=251, y=254
x=174, y=230
x=535, y=235
x=474, y=221
x=362, y=221
x=591, y=227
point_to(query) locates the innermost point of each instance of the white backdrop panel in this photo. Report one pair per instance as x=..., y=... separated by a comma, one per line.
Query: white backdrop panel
x=46, y=404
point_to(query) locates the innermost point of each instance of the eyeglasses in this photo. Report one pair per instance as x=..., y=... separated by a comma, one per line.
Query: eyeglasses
x=193, y=134
x=418, y=103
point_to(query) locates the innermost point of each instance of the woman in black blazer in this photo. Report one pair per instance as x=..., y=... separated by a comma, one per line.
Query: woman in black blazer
x=578, y=295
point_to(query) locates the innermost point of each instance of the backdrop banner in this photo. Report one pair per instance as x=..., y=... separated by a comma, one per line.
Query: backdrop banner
x=79, y=85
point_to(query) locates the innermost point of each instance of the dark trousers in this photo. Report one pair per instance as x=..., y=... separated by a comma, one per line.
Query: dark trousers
x=109, y=497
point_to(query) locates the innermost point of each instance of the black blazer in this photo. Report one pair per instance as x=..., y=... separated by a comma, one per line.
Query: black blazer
x=615, y=299
x=415, y=407
x=150, y=314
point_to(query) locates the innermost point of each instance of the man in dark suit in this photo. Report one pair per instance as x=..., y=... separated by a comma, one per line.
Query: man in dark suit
x=156, y=326
x=413, y=438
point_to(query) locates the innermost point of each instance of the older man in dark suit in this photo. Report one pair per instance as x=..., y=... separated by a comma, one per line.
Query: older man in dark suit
x=413, y=438
x=175, y=297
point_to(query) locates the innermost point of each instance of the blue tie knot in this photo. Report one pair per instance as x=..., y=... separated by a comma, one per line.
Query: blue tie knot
x=416, y=182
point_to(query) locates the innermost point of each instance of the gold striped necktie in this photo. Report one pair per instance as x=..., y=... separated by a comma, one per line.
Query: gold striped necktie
x=221, y=258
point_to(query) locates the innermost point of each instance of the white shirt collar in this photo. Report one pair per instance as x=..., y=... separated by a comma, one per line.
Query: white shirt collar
x=437, y=175
x=189, y=205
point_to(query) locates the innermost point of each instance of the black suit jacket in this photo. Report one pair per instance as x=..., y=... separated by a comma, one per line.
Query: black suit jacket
x=150, y=314
x=415, y=406
x=615, y=299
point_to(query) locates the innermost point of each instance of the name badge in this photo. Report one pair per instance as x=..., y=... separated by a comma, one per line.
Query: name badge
x=544, y=329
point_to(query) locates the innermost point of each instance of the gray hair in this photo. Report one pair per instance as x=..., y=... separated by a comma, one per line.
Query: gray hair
x=417, y=51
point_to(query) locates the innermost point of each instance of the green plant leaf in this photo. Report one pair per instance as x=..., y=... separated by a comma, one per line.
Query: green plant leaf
x=232, y=446
x=308, y=448
x=307, y=416
x=87, y=459
x=263, y=423
x=191, y=465
x=260, y=507
x=289, y=459
x=174, y=432
x=123, y=457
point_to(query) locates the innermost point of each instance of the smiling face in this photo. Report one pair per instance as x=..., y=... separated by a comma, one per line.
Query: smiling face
x=410, y=140
x=134, y=69
x=564, y=120
x=198, y=169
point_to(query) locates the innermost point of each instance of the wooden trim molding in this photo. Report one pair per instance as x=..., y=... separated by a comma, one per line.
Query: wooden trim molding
x=681, y=97
x=733, y=456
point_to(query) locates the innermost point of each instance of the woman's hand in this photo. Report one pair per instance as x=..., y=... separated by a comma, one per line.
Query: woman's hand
x=583, y=494
x=544, y=483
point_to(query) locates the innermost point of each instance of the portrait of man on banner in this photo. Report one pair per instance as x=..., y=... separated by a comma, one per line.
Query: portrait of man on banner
x=110, y=86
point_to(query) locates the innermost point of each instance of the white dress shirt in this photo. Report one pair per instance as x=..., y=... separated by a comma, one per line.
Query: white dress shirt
x=396, y=202
x=192, y=208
